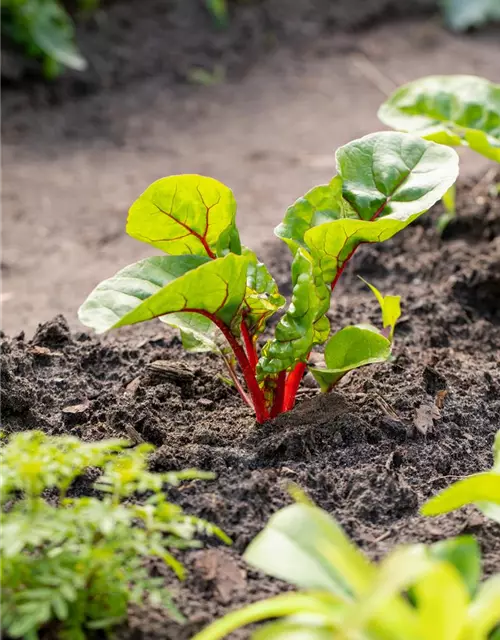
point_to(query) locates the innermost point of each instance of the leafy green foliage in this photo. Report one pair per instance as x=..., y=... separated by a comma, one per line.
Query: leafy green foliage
x=417, y=592
x=221, y=297
x=480, y=489
x=348, y=349
x=461, y=15
x=45, y=31
x=219, y=11
x=73, y=564
x=452, y=110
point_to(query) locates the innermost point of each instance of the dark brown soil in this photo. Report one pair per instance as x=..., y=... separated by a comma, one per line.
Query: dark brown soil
x=370, y=453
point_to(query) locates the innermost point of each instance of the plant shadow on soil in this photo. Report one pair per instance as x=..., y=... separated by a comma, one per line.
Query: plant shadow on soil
x=390, y=436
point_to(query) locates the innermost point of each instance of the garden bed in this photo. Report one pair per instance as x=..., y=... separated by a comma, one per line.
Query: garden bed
x=391, y=436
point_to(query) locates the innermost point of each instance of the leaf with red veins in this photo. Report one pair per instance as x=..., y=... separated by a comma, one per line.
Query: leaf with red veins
x=262, y=298
x=185, y=214
x=161, y=285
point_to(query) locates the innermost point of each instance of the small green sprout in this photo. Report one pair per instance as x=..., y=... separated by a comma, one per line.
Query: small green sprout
x=72, y=565
x=221, y=296
x=417, y=592
x=480, y=489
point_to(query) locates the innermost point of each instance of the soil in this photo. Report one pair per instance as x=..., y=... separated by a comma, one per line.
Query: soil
x=301, y=79
x=370, y=453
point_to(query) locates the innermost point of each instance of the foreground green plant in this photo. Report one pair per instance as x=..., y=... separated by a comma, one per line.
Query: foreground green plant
x=45, y=31
x=417, y=592
x=73, y=565
x=480, y=489
x=220, y=296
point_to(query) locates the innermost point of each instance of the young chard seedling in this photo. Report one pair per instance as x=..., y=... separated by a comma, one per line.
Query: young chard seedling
x=220, y=296
x=452, y=110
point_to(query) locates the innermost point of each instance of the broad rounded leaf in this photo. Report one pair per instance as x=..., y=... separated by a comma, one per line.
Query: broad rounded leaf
x=452, y=110
x=306, y=547
x=482, y=489
x=350, y=348
x=302, y=325
x=186, y=214
x=390, y=179
x=394, y=174
x=167, y=284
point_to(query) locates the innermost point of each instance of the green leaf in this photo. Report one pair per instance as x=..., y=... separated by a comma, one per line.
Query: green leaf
x=442, y=602
x=262, y=298
x=302, y=325
x=461, y=15
x=390, y=179
x=482, y=489
x=315, y=607
x=321, y=204
x=290, y=630
x=306, y=547
x=52, y=31
x=390, y=307
x=465, y=555
x=390, y=174
x=186, y=214
x=219, y=11
x=350, y=348
x=167, y=284
x=452, y=110
x=484, y=612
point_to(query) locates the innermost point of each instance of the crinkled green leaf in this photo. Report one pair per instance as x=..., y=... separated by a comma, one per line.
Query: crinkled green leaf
x=461, y=15
x=167, y=284
x=301, y=326
x=453, y=110
x=481, y=489
x=321, y=204
x=262, y=298
x=390, y=174
x=350, y=348
x=390, y=307
x=186, y=214
x=390, y=179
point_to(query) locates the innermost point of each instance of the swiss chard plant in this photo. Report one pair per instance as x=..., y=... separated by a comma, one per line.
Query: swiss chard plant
x=417, y=592
x=70, y=566
x=480, y=489
x=220, y=296
x=454, y=110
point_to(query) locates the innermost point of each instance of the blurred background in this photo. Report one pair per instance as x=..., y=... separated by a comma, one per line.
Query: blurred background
x=100, y=98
